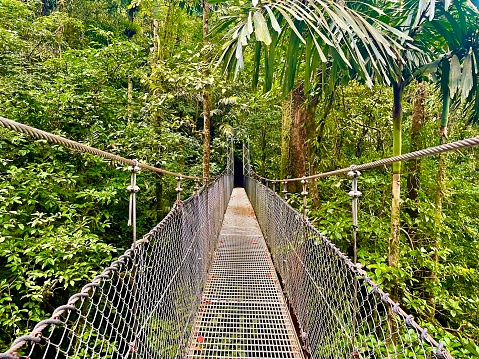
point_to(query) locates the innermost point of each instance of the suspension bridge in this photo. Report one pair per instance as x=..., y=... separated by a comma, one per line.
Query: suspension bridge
x=230, y=273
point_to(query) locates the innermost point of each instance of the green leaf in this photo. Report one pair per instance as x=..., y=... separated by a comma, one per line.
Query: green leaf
x=274, y=22
x=454, y=75
x=472, y=348
x=261, y=28
x=291, y=24
x=467, y=80
x=250, y=24
x=257, y=60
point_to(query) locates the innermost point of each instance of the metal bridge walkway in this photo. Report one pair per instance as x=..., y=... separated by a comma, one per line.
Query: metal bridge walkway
x=243, y=313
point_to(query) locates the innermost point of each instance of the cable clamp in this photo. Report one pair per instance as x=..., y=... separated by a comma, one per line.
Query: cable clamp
x=133, y=189
x=396, y=307
x=409, y=320
x=354, y=194
x=353, y=172
x=440, y=350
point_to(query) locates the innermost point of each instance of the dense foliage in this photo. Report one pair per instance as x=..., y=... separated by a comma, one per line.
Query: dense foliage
x=127, y=77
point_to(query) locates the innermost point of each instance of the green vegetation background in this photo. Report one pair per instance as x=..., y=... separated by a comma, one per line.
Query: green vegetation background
x=64, y=68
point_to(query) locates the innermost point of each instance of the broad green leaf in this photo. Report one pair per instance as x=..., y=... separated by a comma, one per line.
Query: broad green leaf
x=274, y=22
x=261, y=28
x=454, y=75
x=250, y=23
x=244, y=36
x=443, y=29
x=467, y=80
x=239, y=57
x=291, y=24
x=257, y=60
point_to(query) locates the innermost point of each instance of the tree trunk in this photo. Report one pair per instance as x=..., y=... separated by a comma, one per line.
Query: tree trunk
x=206, y=97
x=286, y=124
x=130, y=98
x=440, y=191
x=155, y=43
x=414, y=166
x=393, y=256
x=423, y=273
x=294, y=138
x=298, y=136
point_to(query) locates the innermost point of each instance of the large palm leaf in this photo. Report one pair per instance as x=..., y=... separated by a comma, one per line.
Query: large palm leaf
x=456, y=66
x=350, y=37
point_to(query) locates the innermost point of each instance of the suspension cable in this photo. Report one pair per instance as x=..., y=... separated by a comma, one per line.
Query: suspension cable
x=59, y=140
x=468, y=142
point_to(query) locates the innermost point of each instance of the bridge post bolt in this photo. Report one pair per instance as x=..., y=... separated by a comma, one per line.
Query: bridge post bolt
x=178, y=188
x=305, y=196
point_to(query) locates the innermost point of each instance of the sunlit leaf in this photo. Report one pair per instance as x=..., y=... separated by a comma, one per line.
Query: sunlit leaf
x=261, y=28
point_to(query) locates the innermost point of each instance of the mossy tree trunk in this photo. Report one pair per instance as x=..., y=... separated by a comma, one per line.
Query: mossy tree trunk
x=299, y=132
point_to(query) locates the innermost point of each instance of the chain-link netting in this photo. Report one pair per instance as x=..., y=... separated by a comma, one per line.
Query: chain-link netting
x=341, y=313
x=144, y=304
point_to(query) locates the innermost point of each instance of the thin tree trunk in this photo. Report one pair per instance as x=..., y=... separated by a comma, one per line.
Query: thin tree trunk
x=155, y=43
x=413, y=183
x=414, y=166
x=394, y=239
x=166, y=33
x=130, y=98
x=440, y=191
x=315, y=134
x=393, y=256
x=206, y=97
x=286, y=125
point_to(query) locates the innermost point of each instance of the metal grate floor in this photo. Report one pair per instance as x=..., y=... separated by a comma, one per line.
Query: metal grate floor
x=243, y=313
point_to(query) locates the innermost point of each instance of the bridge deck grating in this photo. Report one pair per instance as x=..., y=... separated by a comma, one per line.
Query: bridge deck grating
x=243, y=313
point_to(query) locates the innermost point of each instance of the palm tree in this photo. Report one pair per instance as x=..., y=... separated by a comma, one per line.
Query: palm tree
x=329, y=42
x=338, y=41
x=457, y=75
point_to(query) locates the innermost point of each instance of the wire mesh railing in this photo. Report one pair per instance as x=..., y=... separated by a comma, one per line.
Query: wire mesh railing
x=144, y=304
x=341, y=313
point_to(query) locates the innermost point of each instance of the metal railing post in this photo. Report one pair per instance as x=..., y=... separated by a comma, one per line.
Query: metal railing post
x=285, y=190
x=304, y=193
x=178, y=188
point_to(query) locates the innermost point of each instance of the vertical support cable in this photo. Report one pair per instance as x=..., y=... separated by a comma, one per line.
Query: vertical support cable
x=178, y=188
x=354, y=194
x=133, y=189
x=244, y=163
x=197, y=185
x=274, y=186
x=305, y=196
x=285, y=190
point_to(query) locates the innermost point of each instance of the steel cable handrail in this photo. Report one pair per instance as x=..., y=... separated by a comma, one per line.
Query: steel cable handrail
x=59, y=140
x=468, y=142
